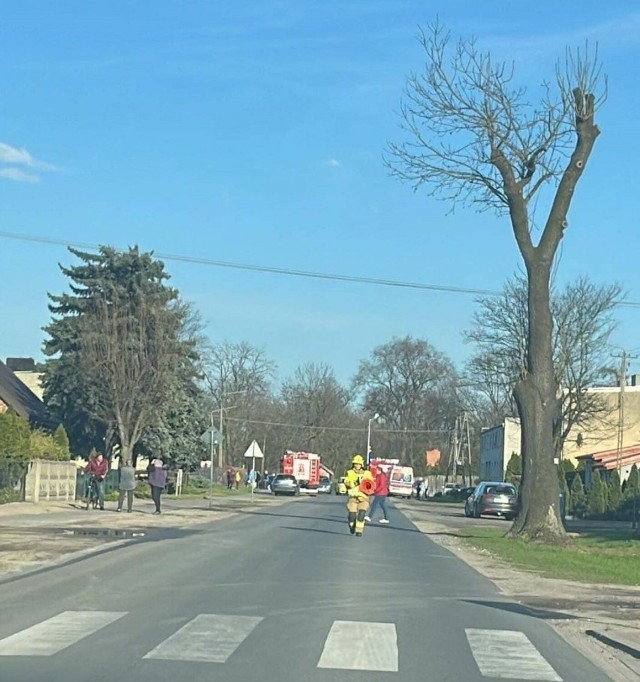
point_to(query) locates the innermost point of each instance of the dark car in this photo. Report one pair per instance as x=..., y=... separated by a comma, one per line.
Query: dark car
x=495, y=498
x=285, y=484
x=264, y=484
x=325, y=485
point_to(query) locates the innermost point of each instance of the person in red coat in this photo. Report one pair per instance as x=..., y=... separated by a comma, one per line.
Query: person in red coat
x=98, y=468
x=380, y=496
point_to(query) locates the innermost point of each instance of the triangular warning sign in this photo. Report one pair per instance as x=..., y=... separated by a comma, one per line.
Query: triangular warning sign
x=254, y=451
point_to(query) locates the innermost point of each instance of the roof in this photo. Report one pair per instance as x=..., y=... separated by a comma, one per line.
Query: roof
x=608, y=459
x=20, y=398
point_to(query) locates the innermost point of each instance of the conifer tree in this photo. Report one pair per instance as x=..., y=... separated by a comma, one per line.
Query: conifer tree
x=595, y=496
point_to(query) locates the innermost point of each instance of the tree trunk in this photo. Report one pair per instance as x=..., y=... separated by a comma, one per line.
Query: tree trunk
x=537, y=400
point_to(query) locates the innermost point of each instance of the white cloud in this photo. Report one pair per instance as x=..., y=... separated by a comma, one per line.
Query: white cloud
x=18, y=175
x=334, y=163
x=15, y=156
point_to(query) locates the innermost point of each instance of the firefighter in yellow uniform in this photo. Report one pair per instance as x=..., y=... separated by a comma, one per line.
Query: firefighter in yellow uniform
x=358, y=499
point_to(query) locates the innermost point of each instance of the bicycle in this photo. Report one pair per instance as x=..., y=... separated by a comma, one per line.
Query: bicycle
x=92, y=492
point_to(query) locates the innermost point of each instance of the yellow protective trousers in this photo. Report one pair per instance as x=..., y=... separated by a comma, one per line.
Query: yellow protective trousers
x=357, y=508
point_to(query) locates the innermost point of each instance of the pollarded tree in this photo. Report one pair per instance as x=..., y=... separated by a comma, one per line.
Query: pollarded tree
x=475, y=138
x=583, y=315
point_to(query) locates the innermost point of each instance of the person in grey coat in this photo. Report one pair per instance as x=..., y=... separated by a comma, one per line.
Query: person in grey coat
x=157, y=480
x=127, y=485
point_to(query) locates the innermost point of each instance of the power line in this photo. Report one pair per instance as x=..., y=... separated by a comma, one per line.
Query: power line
x=279, y=271
x=332, y=428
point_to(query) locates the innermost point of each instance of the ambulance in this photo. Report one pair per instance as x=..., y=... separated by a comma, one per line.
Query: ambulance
x=400, y=477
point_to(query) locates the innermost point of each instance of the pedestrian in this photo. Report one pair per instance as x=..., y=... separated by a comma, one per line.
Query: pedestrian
x=238, y=479
x=98, y=468
x=380, y=494
x=229, y=478
x=157, y=480
x=127, y=485
x=358, y=498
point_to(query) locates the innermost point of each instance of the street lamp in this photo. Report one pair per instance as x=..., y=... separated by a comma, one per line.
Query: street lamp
x=375, y=418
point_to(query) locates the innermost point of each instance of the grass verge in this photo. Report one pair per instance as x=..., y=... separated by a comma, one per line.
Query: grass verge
x=611, y=557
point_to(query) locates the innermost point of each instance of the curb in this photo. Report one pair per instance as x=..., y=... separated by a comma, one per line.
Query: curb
x=616, y=641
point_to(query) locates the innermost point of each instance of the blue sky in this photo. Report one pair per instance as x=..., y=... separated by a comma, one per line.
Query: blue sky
x=253, y=132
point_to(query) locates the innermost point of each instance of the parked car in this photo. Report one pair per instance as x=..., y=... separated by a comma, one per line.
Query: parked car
x=495, y=498
x=325, y=485
x=461, y=494
x=285, y=484
x=265, y=483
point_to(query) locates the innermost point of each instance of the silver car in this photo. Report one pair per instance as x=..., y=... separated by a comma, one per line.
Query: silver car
x=285, y=484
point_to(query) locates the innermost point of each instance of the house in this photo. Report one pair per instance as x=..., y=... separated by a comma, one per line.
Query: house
x=497, y=444
x=25, y=369
x=619, y=424
x=607, y=461
x=17, y=396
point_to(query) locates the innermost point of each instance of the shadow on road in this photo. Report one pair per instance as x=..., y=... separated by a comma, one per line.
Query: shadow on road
x=522, y=609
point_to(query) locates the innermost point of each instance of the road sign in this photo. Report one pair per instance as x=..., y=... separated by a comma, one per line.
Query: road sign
x=212, y=437
x=254, y=451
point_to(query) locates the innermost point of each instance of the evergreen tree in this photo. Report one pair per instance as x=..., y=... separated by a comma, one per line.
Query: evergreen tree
x=61, y=439
x=513, y=474
x=120, y=345
x=615, y=493
x=595, y=496
x=632, y=484
x=577, y=499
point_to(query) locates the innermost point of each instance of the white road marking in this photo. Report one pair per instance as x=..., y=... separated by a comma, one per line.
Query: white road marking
x=353, y=645
x=57, y=633
x=207, y=638
x=509, y=654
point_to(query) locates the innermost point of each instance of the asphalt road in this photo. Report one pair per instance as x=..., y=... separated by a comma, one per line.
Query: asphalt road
x=281, y=594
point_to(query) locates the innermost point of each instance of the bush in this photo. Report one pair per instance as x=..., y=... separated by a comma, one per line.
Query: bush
x=143, y=490
x=9, y=495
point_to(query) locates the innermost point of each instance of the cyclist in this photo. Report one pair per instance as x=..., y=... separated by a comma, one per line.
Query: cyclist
x=358, y=499
x=98, y=468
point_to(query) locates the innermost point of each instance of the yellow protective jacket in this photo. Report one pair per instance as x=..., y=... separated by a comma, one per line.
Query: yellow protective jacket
x=352, y=481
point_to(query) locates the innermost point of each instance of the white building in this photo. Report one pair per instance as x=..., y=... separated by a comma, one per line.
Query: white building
x=496, y=447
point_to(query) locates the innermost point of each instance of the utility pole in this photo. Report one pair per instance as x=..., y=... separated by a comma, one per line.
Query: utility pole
x=623, y=383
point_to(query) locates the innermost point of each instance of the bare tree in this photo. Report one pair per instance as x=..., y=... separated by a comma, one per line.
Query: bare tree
x=413, y=386
x=237, y=375
x=476, y=139
x=583, y=315
x=131, y=351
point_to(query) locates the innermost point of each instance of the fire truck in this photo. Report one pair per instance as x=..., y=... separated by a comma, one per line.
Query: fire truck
x=400, y=477
x=305, y=466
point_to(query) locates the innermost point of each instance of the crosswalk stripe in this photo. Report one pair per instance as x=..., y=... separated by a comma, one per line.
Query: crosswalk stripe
x=207, y=638
x=353, y=645
x=57, y=633
x=508, y=654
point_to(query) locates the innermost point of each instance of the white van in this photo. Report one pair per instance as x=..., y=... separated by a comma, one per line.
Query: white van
x=401, y=481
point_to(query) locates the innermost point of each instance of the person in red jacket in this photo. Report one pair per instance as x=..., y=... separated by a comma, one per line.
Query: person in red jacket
x=380, y=496
x=98, y=467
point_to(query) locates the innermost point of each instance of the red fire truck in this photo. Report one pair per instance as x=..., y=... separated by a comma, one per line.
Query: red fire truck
x=305, y=466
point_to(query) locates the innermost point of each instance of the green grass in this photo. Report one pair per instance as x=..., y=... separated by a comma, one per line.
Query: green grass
x=599, y=557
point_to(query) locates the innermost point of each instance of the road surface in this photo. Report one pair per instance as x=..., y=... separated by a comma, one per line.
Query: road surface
x=280, y=594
